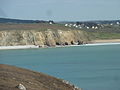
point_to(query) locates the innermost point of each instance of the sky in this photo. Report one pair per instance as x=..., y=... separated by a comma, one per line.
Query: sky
x=60, y=10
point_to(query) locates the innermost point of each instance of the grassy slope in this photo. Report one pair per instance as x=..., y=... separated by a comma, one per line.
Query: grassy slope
x=100, y=35
x=36, y=26
x=11, y=76
x=108, y=32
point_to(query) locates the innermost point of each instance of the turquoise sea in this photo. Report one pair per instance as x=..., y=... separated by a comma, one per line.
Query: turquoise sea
x=88, y=67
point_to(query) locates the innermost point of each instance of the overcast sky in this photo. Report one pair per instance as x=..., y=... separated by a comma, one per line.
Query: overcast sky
x=61, y=10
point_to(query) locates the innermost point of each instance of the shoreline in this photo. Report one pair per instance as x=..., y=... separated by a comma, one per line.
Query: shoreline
x=106, y=41
x=18, y=47
x=93, y=43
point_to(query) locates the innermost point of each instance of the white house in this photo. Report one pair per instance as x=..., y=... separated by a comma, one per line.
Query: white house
x=118, y=23
x=96, y=27
x=111, y=24
x=93, y=27
x=80, y=27
x=87, y=27
x=66, y=25
x=74, y=25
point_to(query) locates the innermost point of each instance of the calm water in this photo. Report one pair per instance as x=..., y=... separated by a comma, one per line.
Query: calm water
x=88, y=67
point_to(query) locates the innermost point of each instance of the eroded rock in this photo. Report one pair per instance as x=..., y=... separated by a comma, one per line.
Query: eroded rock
x=21, y=87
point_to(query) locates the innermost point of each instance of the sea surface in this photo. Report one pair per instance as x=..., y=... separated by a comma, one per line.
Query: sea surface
x=88, y=67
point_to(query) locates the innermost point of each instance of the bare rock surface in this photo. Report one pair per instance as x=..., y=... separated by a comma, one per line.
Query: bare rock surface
x=21, y=87
x=42, y=35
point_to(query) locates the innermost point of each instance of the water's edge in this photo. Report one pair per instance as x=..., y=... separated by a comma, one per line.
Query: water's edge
x=34, y=46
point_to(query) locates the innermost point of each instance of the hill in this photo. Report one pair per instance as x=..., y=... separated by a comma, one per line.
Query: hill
x=8, y=20
x=36, y=32
x=11, y=77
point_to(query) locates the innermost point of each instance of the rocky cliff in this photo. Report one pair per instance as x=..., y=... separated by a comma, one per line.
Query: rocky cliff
x=37, y=37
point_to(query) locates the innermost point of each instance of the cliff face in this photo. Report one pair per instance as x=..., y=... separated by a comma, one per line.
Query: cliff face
x=37, y=37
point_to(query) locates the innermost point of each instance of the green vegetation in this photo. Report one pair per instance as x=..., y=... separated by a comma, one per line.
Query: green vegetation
x=107, y=32
x=101, y=35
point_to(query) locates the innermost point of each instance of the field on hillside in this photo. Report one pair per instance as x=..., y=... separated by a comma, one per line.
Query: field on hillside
x=107, y=32
x=32, y=26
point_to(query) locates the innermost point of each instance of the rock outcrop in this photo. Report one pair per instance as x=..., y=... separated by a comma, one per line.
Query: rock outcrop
x=47, y=37
x=13, y=78
x=21, y=87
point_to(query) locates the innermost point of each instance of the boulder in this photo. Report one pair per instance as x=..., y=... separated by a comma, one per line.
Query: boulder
x=21, y=87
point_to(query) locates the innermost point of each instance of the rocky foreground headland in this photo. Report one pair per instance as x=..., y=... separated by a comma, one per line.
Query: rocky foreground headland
x=13, y=78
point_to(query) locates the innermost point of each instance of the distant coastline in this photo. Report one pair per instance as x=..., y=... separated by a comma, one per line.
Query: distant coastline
x=49, y=34
x=93, y=43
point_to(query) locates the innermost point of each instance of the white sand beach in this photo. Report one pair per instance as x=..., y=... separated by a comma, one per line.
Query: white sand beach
x=94, y=43
x=18, y=47
x=106, y=41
